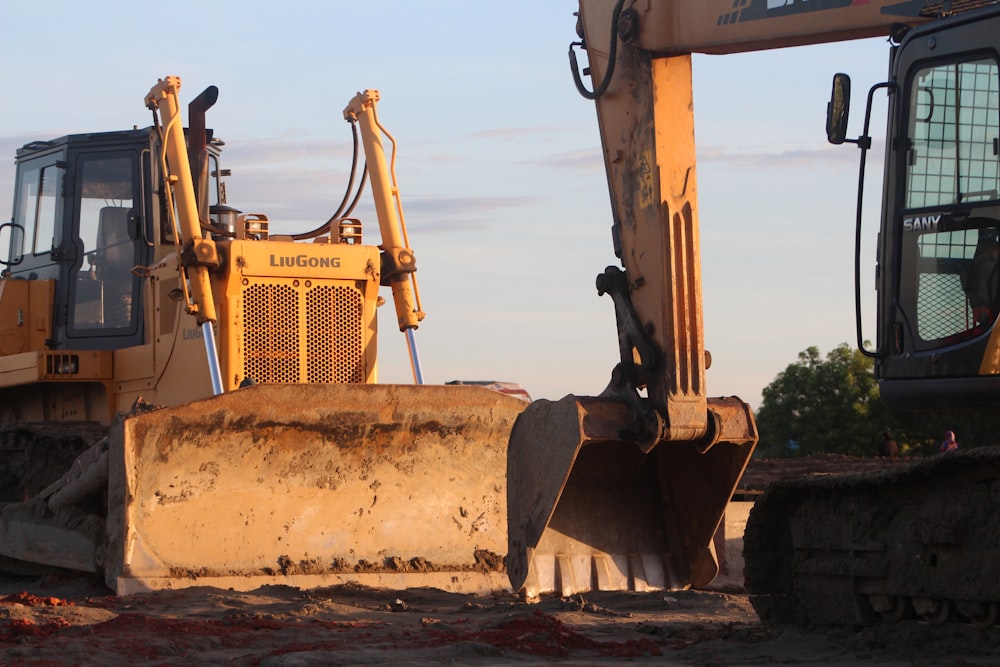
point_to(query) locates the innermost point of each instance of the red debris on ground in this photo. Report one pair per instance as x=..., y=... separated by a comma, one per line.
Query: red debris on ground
x=14, y=629
x=29, y=600
x=545, y=636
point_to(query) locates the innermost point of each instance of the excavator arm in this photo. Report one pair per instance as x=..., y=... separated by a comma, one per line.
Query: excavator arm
x=646, y=117
x=572, y=525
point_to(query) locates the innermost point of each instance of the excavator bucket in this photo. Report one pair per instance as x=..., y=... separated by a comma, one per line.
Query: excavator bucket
x=309, y=485
x=589, y=510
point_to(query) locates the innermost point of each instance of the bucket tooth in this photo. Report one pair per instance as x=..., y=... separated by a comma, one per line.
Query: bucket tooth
x=608, y=576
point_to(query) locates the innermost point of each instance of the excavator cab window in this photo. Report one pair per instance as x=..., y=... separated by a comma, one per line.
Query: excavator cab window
x=957, y=280
x=950, y=241
x=953, y=135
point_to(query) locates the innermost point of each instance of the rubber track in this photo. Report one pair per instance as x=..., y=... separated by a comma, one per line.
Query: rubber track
x=913, y=541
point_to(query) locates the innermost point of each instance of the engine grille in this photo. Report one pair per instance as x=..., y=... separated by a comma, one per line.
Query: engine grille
x=335, y=345
x=280, y=320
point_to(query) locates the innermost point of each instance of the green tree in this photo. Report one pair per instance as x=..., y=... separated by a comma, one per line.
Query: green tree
x=832, y=404
x=823, y=405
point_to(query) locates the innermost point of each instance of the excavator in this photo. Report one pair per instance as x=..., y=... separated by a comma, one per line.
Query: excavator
x=627, y=489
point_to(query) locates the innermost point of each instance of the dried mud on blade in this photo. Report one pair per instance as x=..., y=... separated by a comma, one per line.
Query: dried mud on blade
x=306, y=485
x=589, y=511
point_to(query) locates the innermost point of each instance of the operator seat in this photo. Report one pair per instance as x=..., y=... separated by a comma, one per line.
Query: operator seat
x=113, y=265
x=114, y=247
x=983, y=279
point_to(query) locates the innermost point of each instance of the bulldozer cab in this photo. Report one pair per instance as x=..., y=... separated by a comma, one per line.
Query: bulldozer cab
x=85, y=215
x=79, y=218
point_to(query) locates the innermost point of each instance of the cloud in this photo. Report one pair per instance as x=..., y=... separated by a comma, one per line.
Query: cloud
x=296, y=199
x=777, y=159
x=591, y=159
x=578, y=160
x=434, y=213
x=513, y=133
x=464, y=206
x=249, y=154
x=8, y=144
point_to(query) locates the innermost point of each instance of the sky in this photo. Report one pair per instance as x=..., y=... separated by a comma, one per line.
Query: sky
x=499, y=166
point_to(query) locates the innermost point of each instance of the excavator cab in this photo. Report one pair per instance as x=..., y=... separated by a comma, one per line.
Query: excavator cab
x=938, y=279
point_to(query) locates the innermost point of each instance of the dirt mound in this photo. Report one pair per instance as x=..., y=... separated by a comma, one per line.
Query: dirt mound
x=761, y=472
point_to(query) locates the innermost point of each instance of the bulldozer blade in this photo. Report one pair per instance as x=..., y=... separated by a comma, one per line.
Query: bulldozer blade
x=311, y=485
x=588, y=510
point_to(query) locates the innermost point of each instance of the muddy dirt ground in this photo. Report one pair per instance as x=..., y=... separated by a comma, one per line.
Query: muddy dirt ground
x=63, y=619
x=350, y=625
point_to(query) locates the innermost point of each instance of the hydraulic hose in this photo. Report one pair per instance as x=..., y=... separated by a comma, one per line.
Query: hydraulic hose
x=612, y=57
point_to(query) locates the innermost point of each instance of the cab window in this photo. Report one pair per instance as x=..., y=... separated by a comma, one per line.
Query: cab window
x=35, y=211
x=956, y=294
x=953, y=135
x=107, y=230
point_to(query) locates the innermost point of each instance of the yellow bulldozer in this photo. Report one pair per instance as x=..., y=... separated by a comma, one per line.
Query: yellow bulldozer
x=272, y=455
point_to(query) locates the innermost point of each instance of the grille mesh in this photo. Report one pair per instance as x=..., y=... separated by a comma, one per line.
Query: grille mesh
x=942, y=309
x=271, y=333
x=335, y=346
x=333, y=337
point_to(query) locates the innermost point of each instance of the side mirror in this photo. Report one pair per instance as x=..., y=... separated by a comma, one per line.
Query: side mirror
x=11, y=237
x=838, y=109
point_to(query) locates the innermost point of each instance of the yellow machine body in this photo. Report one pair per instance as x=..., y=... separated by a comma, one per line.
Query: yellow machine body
x=626, y=490
x=291, y=465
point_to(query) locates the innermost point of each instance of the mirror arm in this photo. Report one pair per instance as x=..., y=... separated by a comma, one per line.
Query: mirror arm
x=864, y=142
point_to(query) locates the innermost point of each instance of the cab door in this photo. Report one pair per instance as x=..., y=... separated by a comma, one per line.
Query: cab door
x=940, y=295
x=106, y=250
